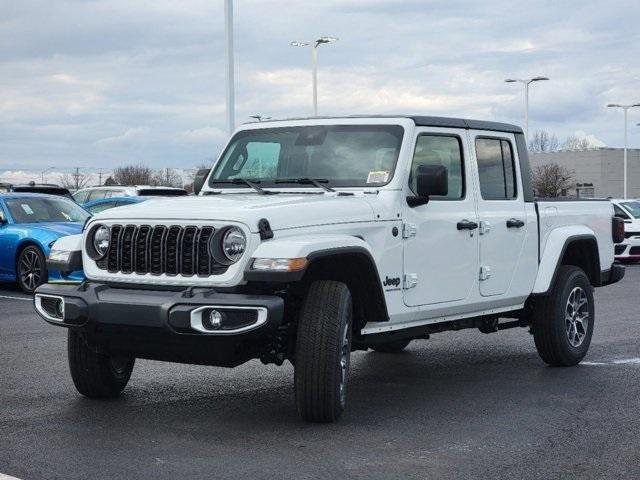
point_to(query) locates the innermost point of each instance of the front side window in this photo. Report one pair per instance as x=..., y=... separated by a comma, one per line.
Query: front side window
x=632, y=207
x=496, y=169
x=440, y=150
x=618, y=212
x=80, y=197
x=39, y=210
x=93, y=209
x=343, y=155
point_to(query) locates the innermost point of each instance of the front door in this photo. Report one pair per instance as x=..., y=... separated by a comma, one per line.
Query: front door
x=501, y=210
x=441, y=245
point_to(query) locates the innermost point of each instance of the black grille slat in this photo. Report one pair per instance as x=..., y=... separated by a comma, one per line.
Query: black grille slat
x=188, y=251
x=156, y=254
x=112, y=253
x=142, y=249
x=172, y=250
x=126, y=250
x=161, y=250
x=203, y=259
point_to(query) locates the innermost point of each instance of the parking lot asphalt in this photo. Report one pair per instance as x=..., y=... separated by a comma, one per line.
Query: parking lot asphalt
x=460, y=405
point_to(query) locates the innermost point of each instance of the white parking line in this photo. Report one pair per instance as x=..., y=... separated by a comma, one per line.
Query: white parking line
x=623, y=361
x=16, y=298
x=7, y=477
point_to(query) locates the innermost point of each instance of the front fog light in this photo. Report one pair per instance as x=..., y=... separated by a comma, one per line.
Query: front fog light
x=279, y=264
x=212, y=321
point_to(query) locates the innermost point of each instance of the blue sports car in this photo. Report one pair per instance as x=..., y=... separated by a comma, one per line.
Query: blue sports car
x=30, y=223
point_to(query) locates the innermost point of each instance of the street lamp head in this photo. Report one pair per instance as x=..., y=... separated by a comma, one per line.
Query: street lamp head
x=326, y=39
x=614, y=105
x=510, y=80
x=539, y=79
x=299, y=44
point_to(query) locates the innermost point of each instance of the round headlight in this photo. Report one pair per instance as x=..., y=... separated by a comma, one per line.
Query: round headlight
x=234, y=243
x=101, y=240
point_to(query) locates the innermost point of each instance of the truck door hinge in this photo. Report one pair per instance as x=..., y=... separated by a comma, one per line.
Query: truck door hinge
x=485, y=227
x=410, y=280
x=485, y=273
x=409, y=230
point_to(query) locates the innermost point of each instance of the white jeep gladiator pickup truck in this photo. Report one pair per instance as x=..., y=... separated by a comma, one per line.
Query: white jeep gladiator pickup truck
x=312, y=238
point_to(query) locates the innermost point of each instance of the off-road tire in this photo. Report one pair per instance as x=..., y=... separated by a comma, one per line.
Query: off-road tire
x=96, y=375
x=550, y=325
x=394, y=346
x=321, y=368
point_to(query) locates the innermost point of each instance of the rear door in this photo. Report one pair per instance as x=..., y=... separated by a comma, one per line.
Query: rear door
x=501, y=210
x=440, y=257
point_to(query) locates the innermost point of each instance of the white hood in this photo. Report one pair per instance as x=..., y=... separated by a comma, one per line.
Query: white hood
x=285, y=210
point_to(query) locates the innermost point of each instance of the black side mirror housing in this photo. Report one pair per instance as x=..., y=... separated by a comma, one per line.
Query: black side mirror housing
x=430, y=180
x=198, y=181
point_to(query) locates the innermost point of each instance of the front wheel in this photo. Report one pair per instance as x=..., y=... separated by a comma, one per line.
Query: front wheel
x=323, y=351
x=94, y=374
x=31, y=269
x=563, y=321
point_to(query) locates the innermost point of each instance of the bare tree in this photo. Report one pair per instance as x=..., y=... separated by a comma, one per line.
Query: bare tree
x=543, y=141
x=551, y=180
x=575, y=143
x=167, y=177
x=75, y=180
x=133, y=175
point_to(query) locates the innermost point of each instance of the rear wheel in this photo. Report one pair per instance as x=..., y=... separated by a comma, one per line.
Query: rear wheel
x=394, y=346
x=94, y=374
x=323, y=351
x=31, y=269
x=563, y=321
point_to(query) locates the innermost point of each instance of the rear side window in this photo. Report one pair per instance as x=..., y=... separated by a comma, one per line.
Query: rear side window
x=440, y=150
x=620, y=213
x=496, y=169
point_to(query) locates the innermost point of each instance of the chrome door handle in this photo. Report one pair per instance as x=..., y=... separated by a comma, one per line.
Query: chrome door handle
x=515, y=223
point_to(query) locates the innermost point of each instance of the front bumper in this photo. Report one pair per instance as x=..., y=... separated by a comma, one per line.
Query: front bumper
x=165, y=325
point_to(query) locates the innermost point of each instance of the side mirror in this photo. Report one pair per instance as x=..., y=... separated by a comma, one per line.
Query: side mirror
x=430, y=180
x=198, y=181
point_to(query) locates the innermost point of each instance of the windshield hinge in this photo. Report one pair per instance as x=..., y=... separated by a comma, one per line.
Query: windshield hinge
x=409, y=230
x=410, y=280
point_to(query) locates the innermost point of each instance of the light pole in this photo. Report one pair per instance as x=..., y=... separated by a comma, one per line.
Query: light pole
x=45, y=171
x=626, y=116
x=314, y=64
x=229, y=65
x=526, y=82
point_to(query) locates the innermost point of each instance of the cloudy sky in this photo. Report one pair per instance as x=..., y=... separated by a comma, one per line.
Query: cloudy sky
x=99, y=83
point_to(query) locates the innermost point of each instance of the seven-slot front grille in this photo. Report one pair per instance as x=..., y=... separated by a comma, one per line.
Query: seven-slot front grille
x=160, y=249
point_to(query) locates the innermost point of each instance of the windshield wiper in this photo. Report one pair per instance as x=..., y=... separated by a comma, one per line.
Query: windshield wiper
x=316, y=182
x=244, y=181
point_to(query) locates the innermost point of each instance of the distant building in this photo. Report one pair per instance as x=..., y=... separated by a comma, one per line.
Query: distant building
x=597, y=172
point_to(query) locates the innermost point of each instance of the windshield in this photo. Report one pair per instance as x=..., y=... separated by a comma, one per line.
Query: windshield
x=343, y=155
x=38, y=210
x=632, y=207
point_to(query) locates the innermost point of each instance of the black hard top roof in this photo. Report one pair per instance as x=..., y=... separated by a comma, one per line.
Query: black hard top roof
x=428, y=121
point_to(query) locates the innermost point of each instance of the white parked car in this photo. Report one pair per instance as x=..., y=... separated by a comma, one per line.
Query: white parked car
x=89, y=194
x=313, y=238
x=629, y=211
